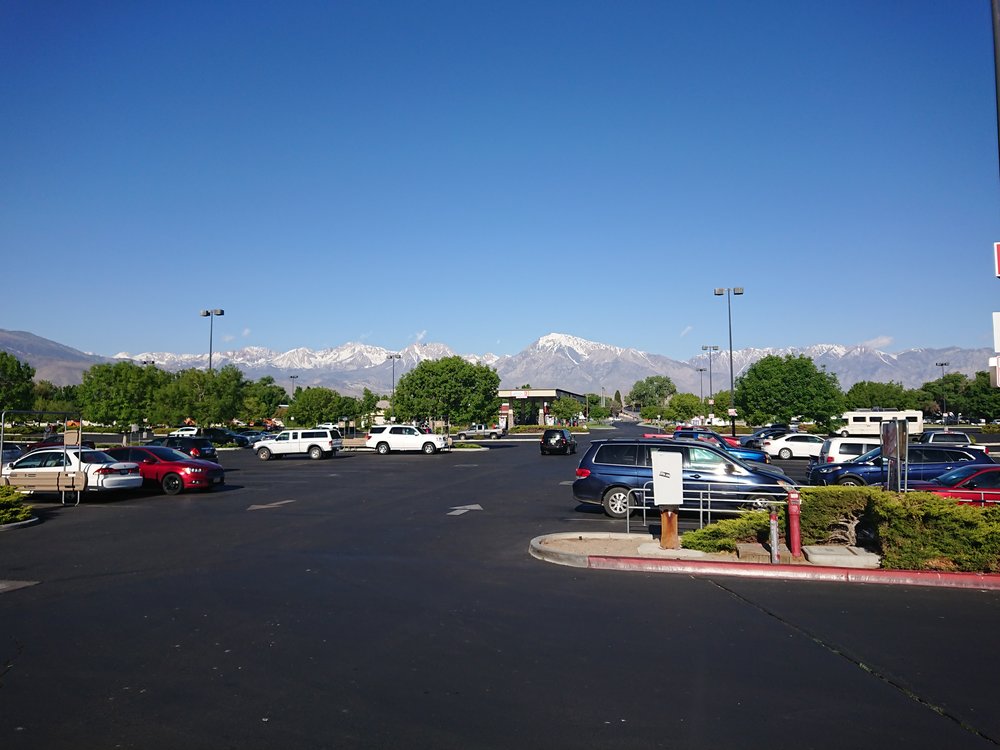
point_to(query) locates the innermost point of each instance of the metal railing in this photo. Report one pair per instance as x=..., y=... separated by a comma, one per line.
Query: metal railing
x=715, y=499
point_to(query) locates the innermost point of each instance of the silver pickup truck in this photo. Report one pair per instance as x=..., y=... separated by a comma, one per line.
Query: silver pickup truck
x=481, y=432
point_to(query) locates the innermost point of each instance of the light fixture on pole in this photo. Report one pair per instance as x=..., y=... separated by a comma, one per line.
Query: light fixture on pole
x=944, y=403
x=210, y=314
x=393, y=357
x=729, y=291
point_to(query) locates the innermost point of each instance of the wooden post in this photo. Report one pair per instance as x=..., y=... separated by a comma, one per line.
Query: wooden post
x=668, y=530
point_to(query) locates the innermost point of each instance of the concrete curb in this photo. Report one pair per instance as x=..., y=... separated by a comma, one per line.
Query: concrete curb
x=802, y=572
x=18, y=524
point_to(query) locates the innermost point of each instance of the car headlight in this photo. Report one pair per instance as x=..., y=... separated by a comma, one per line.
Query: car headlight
x=194, y=470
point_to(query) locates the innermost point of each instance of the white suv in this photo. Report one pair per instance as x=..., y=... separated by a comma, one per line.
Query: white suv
x=314, y=443
x=403, y=437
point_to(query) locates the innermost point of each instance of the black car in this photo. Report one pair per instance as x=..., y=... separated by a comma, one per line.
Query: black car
x=196, y=447
x=558, y=441
x=219, y=436
x=757, y=438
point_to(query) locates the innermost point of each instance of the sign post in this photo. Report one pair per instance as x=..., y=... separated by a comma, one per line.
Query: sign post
x=668, y=494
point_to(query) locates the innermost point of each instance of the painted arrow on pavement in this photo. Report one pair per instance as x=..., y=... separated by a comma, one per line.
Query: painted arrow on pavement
x=458, y=510
x=270, y=505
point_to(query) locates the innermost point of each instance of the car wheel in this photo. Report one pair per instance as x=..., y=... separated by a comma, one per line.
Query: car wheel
x=172, y=484
x=315, y=452
x=494, y=436
x=544, y=452
x=429, y=449
x=845, y=433
x=382, y=448
x=263, y=454
x=758, y=502
x=785, y=453
x=851, y=482
x=615, y=502
x=461, y=436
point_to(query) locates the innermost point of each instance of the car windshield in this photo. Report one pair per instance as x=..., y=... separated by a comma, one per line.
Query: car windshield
x=955, y=476
x=168, y=454
x=864, y=457
x=96, y=457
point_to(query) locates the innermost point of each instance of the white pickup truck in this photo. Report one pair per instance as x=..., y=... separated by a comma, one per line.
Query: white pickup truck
x=315, y=443
x=481, y=431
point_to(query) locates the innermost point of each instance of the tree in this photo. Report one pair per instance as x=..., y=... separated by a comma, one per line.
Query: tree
x=52, y=398
x=449, y=388
x=776, y=389
x=261, y=399
x=16, y=383
x=367, y=405
x=655, y=390
x=867, y=394
x=314, y=405
x=683, y=407
x=120, y=394
x=565, y=409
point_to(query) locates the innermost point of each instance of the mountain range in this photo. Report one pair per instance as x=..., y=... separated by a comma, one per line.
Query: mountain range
x=554, y=361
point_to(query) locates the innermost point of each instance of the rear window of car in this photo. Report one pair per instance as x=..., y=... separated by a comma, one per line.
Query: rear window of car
x=377, y=430
x=309, y=434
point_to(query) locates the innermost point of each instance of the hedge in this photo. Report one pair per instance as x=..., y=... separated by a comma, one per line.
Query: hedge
x=12, y=507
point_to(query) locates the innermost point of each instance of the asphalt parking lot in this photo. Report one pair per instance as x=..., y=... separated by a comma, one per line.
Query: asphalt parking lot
x=390, y=601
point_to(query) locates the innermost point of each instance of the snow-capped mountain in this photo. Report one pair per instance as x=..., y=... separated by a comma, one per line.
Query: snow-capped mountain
x=555, y=360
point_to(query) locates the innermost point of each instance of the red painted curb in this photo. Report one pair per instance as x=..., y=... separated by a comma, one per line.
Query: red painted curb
x=981, y=581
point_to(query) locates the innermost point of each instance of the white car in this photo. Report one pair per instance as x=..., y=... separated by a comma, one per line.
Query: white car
x=793, y=445
x=313, y=443
x=184, y=432
x=403, y=437
x=55, y=469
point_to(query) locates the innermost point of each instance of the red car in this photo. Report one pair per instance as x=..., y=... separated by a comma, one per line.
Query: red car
x=977, y=484
x=55, y=439
x=729, y=439
x=171, y=470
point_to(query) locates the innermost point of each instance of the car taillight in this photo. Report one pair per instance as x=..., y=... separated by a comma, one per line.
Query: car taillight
x=583, y=473
x=195, y=452
x=105, y=470
x=829, y=459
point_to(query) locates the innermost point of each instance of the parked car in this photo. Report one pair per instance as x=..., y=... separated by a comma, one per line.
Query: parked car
x=735, y=442
x=793, y=445
x=713, y=478
x=313, y=443
x=923, y=462
x=838, y=450
x=403, y=437
x=10, y=452
x=103, y=471
x=757, y=437
x=558, y=441
x=196, y=447
x=974, y=484
x=219, y=436
x=56, y=439
x=169, y=469
x=738, y=451
x=186, y=431
x=947, y=437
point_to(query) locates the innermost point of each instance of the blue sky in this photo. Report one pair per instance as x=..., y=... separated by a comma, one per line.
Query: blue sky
x=481, y=174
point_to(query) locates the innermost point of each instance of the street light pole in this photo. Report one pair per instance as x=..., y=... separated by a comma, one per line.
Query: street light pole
x=701, y=375
x=710, y=348
x=210, y=314
x=944, y=403
x=293, y=378
x=729, y=291
x=393, y=357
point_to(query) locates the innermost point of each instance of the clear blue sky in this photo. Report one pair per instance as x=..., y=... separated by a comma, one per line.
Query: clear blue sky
x=481, y=174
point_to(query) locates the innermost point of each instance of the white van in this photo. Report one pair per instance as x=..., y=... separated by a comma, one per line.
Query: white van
x=839, y=449
x=869, y=421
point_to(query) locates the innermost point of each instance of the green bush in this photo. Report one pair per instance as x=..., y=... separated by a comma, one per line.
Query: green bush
x=921, y=531
x=724, y=535
x=12, y=507
x=832, y=515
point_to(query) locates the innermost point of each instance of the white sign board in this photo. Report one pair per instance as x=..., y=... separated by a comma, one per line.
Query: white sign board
x=668, y=478
x=996, y=332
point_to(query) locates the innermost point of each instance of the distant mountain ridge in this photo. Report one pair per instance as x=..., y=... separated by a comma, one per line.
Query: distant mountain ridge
x=555, y=360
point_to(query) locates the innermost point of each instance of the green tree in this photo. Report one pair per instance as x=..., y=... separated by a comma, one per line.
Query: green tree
x=224, y=393
x=261, y=399
x=313, y=405
x=53, y=398
x=983, y=400
x=17, y=389
x=183, y=397
x=776, y=389
x=655, y=390
x=683, y=407
x=449, y=388
x=867, y=394
x=120, y=394
x=565, y=409
x=367, y=405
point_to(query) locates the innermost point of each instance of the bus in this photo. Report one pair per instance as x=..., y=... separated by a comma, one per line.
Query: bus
x=869, y=421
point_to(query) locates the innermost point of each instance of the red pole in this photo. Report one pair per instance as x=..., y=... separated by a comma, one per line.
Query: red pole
x=794, y=527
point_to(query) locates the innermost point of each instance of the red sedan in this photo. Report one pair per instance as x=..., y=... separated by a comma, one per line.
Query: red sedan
x=171, y=470
x=978, y=484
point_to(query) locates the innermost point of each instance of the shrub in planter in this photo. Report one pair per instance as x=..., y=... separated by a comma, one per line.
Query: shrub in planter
x=922, y=531
x=832, y=515
x=12, y=507
x=724, y=535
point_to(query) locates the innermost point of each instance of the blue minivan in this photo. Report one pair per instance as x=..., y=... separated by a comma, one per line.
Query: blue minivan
x=712, y=478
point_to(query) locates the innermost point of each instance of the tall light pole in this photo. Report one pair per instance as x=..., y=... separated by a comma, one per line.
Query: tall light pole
x=729, y=292
x=710, y=348
x=210, y=314
x=701, y=375
x=293, y=378
x=393, y=357
x=944, y=403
